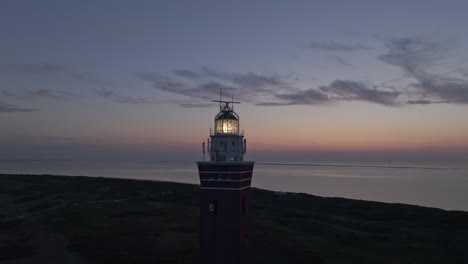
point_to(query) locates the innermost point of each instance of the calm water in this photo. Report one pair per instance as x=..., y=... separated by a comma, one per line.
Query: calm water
x=428, y=185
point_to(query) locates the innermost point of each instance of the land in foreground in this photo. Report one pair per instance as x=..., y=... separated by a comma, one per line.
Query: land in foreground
x=65, y=219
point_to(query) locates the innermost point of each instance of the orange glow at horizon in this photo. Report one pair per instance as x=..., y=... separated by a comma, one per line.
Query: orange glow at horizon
x=359, y=127
x=343, y=127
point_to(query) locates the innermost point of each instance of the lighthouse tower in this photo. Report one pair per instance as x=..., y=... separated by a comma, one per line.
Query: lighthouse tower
x=225, y=192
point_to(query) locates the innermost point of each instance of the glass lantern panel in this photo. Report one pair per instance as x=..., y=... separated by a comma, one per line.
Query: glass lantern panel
x=230, y=126
x=219, y=126
x=227, y=126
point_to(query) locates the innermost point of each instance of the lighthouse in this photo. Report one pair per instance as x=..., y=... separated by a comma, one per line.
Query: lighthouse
x=225, y=192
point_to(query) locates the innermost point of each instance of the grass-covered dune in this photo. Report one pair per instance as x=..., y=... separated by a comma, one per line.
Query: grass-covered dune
x=102, y=220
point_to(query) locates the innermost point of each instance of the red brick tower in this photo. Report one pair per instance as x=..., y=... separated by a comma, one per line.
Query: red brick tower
x=225, y=193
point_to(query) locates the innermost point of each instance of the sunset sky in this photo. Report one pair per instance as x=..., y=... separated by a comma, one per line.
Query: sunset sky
x=317, y=79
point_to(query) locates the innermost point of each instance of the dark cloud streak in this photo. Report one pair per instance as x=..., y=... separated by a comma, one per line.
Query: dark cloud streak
x=336, y=46
x=196, y=105
x=187, y=74
x=40, y=93
x=423, y=102
x=7, y=108
x=342, y=61
x=37, y=68
x=58, y=138
x=90, y=78
x=113, y=96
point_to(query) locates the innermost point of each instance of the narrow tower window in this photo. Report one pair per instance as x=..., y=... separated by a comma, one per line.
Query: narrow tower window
x=214, y=207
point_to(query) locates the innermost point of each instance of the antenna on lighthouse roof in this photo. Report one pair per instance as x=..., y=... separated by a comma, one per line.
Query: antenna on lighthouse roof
x=225, y=104
x=220, y=108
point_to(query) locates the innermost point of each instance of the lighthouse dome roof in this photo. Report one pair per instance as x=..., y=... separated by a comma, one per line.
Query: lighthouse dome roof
x=227, y=115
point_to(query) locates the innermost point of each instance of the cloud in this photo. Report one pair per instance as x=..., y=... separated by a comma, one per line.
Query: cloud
x=357, y=91
x=187, y=74
x=7, y=108
x=338, y=90
x=196, y=105
x=266, y=90
x=37, y=68
x=423, y=102
x=40, y=93
x=90, y=78
x=307, y=97
x=414, y=56
x=47, y=67
x=207, y=90
x=450, y=90
x=111, y=95
x=464, y=72
x=205, y=84
x=336, y=46
x=85, y=76
x=58, y=138
x=342, y=61
x=273, y=104
x=250, y=80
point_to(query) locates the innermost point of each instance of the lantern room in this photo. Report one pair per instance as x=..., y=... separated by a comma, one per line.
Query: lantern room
x=227, y=121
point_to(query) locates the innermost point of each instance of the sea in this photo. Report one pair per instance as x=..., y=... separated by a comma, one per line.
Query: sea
x=431, y=185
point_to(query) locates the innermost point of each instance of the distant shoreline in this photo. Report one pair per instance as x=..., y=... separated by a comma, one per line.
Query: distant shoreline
x=191, y=184
x=361, y=166
x=424, y=184
x=258, y=162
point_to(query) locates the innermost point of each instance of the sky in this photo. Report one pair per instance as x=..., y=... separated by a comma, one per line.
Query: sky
x=318, y=80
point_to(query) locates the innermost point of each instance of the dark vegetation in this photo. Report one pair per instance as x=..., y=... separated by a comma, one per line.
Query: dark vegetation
x=129, y=221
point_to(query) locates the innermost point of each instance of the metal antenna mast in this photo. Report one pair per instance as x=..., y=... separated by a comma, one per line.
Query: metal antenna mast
x=220, y=108
x=226, y=103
